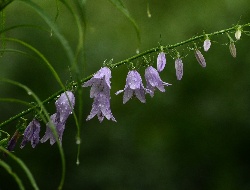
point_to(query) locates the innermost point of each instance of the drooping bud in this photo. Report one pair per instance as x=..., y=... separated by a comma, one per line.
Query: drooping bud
x=238, y=33
x=179, y=68
x=31, y=134
x=161, y=61
x=232, y=49
x=207, y=44
x=200, y=58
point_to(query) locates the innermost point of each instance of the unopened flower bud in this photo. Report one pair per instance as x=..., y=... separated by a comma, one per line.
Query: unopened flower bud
x=200, y=58
x=238, y=34
x=161, y=61
x=179, y=68
x=207, y=44
x=232, y=49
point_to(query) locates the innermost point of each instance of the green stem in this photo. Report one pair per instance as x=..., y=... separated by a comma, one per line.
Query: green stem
x=9, y=170
x=114, y=65
x=23, y=166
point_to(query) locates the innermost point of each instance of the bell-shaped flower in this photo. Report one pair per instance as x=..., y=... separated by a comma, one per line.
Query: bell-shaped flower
x=207, y=44
x=232, y=49
x=101, y=108
x=154, y=81
x=161, y=61
x=133, y=86
x=59, y=129
x=31, y=133
x=200, y=58
x=179, y=68
x=65, y=105
x=100, y=82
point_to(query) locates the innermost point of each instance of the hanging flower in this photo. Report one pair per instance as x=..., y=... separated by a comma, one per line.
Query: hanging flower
x=133, y=86
x=59, y=129
x=154, y=81
x=101, y=108
x=65, y=105
x=232, y=49
x=207, y=44
x=179, y=68
x=100, y=91
x=100, y=82
x=161, y=61
x=31, y=134
x=200, y=58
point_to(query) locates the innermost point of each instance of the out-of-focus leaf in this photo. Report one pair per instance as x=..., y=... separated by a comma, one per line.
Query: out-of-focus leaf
x=120, y=6
x=4, y=3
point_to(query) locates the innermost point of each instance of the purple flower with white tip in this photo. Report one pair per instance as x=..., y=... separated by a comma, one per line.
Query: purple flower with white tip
x=154, y=81
x=59, y=129
x=207, y=44
x=100, y=82
x=179, y=68
x=133, y=86
x=101, y=108
x=31, y=134
x=65, y=105
x=161, y=61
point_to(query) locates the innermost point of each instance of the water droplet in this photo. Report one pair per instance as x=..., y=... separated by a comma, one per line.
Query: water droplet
x=77, y=162
x=29, y=93
x=78, y=141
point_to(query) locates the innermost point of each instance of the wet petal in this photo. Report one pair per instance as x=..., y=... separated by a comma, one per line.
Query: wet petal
x=64, y=105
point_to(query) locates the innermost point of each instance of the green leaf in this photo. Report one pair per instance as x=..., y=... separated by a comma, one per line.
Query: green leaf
x=4, y=3
x=22, y=165
x=9, y=170
x=120, y=6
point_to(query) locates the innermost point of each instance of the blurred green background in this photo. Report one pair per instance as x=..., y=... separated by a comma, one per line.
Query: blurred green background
x=196, y=135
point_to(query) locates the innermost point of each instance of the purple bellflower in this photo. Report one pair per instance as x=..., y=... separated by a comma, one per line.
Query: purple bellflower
x=101, y=108
x=154, y=81
x=64, y=106
x=59, y=127
x=179, y=68
x=161, y=61
x=31, y=134
x=133, y=86
x=100, y=91
x=200, y=58
x=100, y=82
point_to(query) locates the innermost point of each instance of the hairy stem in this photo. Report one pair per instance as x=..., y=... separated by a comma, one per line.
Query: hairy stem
x=126, y=61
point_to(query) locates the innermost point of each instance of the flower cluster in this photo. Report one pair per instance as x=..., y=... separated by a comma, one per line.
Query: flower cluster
x=101, y=85
x=100, y=92
x=64, y=107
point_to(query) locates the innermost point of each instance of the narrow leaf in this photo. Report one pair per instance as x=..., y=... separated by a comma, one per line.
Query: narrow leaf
x=4, y=3
x=120, y=6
